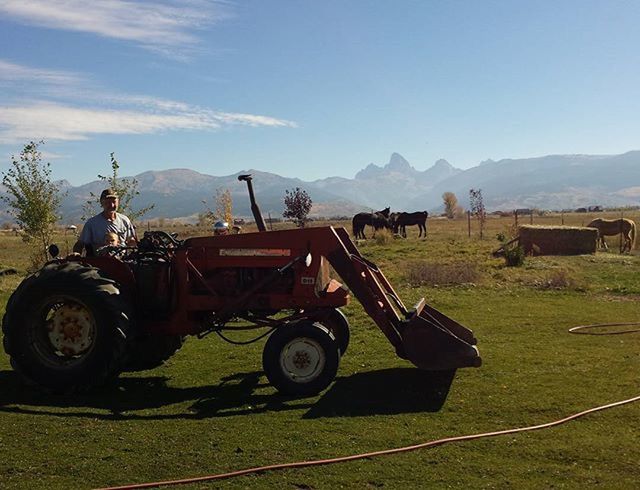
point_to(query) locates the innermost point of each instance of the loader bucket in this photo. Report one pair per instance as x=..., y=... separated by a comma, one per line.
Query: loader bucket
x=433, y=341
x=426, y=337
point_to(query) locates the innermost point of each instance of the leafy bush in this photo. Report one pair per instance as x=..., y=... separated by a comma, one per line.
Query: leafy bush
x=512, y=251
x=33, y=200
x=297, y=205
x=126, y=189
x=514, y=256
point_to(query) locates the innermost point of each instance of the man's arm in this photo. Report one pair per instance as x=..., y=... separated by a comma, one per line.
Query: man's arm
x=77, y=248
x=84, y=238
x=132, y=239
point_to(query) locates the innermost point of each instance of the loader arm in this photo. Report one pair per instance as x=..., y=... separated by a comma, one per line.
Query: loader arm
x=423, y=335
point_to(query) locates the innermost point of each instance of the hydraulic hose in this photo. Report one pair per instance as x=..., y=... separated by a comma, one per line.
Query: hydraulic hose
x=581, y=329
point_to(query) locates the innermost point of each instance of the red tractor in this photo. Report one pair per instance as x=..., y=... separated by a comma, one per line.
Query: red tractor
x=80, y=321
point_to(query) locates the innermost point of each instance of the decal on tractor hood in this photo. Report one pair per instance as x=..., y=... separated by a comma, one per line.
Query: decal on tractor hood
x=255, y=252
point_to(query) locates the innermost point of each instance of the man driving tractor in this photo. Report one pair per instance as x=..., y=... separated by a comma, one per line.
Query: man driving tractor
x=108, y=221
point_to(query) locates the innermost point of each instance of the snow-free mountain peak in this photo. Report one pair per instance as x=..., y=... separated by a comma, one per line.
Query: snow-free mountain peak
x=442, y=164
x=398, y=163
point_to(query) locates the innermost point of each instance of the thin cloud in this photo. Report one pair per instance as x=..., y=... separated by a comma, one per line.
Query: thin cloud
x=51, y=121
x=19, y=82
x=250, y=120
x=58, y=105
x=167, y=27
x=11, y=72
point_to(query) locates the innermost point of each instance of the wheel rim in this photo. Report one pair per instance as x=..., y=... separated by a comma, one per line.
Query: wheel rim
x=302, y=359
x=64, y=332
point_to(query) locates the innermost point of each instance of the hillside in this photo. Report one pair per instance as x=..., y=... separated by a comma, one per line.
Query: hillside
x=549, y=182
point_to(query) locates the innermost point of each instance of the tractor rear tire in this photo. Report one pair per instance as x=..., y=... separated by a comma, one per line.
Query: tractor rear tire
x=151, y=351
x=301, y=359
x=338, y=325
x=65, y=328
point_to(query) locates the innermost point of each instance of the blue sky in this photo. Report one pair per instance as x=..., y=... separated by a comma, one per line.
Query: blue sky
x=313, y=89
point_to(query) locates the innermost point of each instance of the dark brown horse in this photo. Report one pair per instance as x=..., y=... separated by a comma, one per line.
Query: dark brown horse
x=608, y=227
x=378, y=220
x=402, y=220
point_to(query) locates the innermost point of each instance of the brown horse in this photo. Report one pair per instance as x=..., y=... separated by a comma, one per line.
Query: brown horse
x=402, y=220
x=379, y=219
x=607, y=227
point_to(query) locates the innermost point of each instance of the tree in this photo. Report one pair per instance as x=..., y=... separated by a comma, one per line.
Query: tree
x=224, y=205
x=450, y=204
x=297, y=205
x=127, y=190
x=223, y=208
x=33, y=199
x=477, y=208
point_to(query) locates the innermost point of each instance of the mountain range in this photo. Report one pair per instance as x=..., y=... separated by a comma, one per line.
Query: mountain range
x=548, y=182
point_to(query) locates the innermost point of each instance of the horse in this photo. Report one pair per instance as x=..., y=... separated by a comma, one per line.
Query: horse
x=402, y=220
x=607, y=227
x=379, y=219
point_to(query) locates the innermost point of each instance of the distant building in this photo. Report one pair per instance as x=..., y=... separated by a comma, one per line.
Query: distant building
x=595, y=209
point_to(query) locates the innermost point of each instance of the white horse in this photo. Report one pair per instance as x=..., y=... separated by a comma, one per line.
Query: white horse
x=608, y=227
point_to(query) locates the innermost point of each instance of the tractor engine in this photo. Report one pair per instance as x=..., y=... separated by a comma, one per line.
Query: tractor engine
x=233, y=281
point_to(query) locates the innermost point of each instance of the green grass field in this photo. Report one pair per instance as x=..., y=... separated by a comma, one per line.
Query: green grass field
x=210, y=410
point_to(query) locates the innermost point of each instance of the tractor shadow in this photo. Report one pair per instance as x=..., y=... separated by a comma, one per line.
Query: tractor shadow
x=145, y=398
x=390, y=391
x=384, y=392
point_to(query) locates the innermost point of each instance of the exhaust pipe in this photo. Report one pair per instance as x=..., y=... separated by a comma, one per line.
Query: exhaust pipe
x=255, y=209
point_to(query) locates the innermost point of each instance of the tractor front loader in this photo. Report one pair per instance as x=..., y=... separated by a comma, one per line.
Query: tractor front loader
x=80, y=321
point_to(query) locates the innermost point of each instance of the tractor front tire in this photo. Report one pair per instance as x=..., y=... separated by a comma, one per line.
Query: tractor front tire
x=65, y=328
x=301, y=359
x=338, y=325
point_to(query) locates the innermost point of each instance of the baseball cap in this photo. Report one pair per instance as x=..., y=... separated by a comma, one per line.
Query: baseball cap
x=108, y=193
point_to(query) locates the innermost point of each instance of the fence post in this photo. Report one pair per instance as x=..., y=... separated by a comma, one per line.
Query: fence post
x=515, y=215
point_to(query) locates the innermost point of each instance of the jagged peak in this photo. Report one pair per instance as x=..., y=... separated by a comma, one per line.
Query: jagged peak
x=398, y=162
